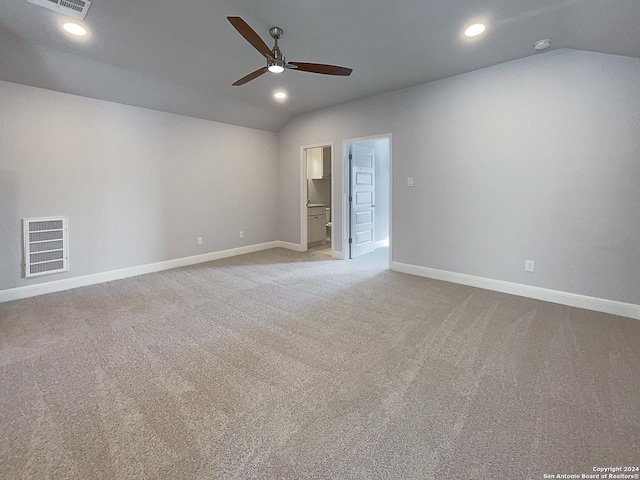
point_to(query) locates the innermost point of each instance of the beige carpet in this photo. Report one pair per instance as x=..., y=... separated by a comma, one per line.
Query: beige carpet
x=295, y=366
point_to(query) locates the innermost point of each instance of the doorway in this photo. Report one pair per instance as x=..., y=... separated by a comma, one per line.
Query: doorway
x=367, y=218
x=316, y=198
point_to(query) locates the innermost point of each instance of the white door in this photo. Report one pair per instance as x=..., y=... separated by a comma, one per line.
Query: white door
x=362, y=200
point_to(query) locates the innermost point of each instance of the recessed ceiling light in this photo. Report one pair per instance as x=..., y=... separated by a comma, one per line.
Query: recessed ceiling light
x=542, y=44
x=74, y=29
x=280, y=95
x=475, y=30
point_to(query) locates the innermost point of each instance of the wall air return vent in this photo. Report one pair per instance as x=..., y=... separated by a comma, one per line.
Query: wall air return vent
x=72, y=8
x=45, y=246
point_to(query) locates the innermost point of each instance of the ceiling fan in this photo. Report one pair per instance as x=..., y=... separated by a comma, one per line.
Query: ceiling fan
x=276, y=62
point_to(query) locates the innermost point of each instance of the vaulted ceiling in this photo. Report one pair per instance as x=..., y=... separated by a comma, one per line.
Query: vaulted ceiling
x=183, y=56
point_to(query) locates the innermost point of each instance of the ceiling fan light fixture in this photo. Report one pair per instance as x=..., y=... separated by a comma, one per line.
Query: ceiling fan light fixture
x=275, y=68
x=280, y=95
x=276, y=64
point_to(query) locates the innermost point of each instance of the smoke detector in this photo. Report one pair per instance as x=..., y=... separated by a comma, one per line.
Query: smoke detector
x=71, y=8
x=542, y=44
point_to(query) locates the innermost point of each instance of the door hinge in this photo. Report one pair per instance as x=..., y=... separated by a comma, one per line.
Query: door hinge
x=350, y=157
x=350, y=198
x=350, y=240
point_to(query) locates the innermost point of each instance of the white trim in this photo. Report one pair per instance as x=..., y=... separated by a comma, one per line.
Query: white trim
x=390, y=242
x=333, y=194
x=303, y=197
x=344, y=202
x=337, y=255
x=290, y=246
x=82, y=281
x=554, y=296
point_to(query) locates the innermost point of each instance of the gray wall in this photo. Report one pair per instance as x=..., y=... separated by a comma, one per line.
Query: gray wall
x=533, y=159
x=138, y=185
x=319, y=191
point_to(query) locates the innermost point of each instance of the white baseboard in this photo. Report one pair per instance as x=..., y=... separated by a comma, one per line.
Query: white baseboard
x=554, y=296
x=290, y=246
x=337, y=255
x=84, y=280
x=564, y=298
x=298, y=248
x=382, y=243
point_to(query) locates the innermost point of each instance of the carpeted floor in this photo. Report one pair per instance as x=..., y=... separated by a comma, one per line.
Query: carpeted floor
x=283, y=365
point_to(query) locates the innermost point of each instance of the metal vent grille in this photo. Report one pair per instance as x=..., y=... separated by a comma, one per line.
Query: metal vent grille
x=74, y=5
x=45, y=246
x=72, y=8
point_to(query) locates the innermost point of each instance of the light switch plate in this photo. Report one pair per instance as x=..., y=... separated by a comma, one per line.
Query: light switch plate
x=410, y=182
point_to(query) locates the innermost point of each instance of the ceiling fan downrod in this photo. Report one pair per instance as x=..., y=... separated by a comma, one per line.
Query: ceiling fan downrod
x=276, y=64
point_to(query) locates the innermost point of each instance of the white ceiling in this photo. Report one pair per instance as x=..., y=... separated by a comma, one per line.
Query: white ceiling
x=183, y=56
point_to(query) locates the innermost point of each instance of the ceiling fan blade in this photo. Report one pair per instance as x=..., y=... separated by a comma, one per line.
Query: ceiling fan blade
x=250, y=35
x=320, y=68
x=250, y=77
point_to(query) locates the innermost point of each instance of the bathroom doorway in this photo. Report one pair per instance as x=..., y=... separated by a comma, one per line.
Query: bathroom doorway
x=316, y=188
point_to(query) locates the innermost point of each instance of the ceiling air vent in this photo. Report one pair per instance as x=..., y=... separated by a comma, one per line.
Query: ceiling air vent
x=45, y=246
x=72, y=8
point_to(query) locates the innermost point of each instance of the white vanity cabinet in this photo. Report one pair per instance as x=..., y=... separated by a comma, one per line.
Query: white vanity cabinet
x=316, y=225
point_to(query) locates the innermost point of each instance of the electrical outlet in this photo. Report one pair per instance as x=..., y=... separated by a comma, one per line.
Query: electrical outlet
x=241, y=234
x=199, y=240
x=410, y=182
x=528, y=266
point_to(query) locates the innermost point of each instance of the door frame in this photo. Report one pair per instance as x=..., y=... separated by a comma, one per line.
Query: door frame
x=303, y=192
x=344, y=193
